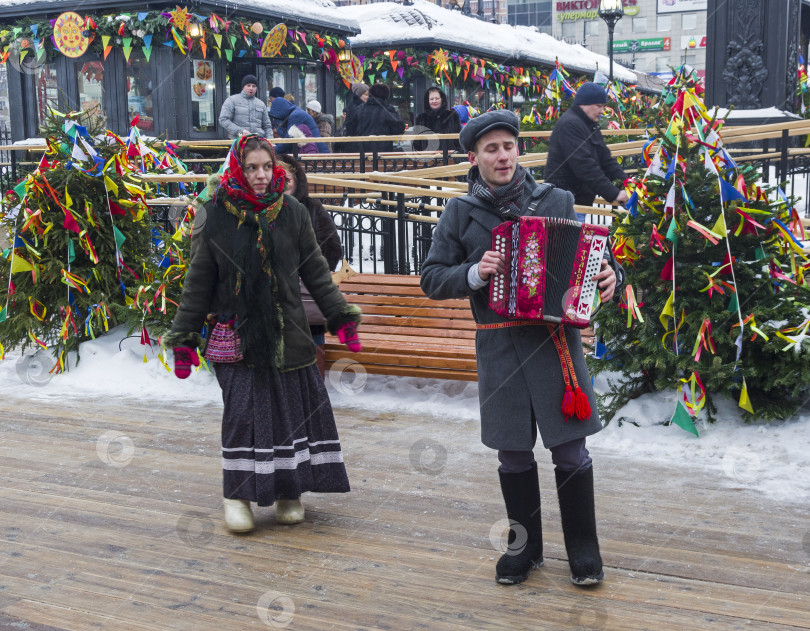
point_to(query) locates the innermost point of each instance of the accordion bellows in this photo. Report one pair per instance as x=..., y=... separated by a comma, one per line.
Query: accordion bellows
x=549, y=266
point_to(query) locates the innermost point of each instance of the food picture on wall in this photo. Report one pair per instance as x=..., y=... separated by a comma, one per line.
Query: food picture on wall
x=203, y=70
x=199, y=90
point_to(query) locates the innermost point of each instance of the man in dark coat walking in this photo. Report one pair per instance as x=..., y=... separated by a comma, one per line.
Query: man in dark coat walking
x=438, y=118
x=578, y=158
x=520, y=374
x=376, y=117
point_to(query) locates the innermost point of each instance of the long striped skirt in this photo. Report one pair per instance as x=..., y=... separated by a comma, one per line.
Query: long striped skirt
x=279, y=437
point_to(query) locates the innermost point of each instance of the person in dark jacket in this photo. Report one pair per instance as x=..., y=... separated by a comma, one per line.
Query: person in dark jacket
x=251, y=244
x=439, y=118
x=521, y=366
x=284, y=116
x=328, y=240
x=359, y=95
x=377, y=118
x=578, y=158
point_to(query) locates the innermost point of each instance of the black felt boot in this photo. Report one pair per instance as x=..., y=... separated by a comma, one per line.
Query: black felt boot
x=575, y=490
x=521, y=493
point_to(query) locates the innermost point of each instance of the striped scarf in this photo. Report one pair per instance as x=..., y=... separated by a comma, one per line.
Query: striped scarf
x=505, y=198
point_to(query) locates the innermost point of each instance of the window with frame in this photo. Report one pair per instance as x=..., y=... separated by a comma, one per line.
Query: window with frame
x=689, y=21
x=46, y=91
x=592, y=28
x=662, y=64
x=90, y=79
x=639, y=25
x=569, y=29
x=203, y=90
x=664, y=23
x=139, y=92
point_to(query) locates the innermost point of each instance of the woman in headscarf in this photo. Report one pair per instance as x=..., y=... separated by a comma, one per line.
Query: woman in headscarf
x=250, y=244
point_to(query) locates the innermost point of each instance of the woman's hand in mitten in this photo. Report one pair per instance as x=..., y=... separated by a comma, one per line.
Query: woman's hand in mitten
x=347, y=334
x=184, y=359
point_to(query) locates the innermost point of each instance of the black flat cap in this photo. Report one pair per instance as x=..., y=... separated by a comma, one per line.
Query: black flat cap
x=480, y=125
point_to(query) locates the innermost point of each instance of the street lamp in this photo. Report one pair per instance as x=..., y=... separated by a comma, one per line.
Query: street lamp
x=611, y=11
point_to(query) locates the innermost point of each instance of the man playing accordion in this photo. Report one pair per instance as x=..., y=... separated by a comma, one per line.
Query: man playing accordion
x=524, y=368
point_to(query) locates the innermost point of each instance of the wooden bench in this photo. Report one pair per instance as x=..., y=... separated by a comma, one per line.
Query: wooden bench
x=404, y=332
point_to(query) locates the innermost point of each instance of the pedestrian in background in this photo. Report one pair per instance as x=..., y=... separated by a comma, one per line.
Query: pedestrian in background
x=578, y=158
x=290, y=121
x=326, y=235
x=325, y=122
x=358, y=96
x=439, y=118
x=243, y=113
x=376, y=117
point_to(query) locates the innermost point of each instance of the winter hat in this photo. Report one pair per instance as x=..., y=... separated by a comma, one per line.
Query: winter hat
x=590, y=94
x=480, y=125
x=314, y=106
x=248, y=79
x=380, y=90
x=277, y=92
x=463, y=113
x=359, y=89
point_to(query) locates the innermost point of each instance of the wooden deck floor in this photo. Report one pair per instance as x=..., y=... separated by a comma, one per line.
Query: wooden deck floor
x=111, y=520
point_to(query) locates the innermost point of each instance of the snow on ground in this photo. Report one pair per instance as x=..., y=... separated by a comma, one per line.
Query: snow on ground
x=770, y=458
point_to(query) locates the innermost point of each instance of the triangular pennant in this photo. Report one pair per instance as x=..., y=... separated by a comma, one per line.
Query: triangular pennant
x=119, y=237
x=745, y=402
x=71, y=251
x=682, y=419
x=147, y=52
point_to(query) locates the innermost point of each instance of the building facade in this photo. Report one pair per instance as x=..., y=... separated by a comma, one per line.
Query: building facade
x=654, y=36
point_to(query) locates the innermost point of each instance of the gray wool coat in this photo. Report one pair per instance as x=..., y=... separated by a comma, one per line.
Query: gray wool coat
x=519, y=371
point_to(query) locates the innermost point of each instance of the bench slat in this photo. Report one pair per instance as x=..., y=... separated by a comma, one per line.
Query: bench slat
x=412, y=371
x=404, y=301
x=420, y=322
x=454, y=334
x=375, y=346
x=411, y=311
x=391, y=359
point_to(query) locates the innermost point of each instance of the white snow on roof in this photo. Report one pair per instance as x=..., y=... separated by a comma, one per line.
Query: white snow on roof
x=387, y=23
x=767, y=112
x=305, y=11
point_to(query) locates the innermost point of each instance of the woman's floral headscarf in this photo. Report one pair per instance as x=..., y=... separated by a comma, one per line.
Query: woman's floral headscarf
x=235, y=184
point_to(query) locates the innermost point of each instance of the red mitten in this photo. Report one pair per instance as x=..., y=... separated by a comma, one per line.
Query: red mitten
x=184, y=359
x=347, y=334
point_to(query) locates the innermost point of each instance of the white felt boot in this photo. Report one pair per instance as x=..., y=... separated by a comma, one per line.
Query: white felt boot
x=238, y=517
x=289, y=511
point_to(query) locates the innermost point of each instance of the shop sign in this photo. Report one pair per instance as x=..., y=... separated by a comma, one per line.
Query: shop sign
x=681, y=6
x=572, y=10
x=642, y=45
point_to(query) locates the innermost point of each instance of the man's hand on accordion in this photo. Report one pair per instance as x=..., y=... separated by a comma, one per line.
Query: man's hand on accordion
x=491, y=263
x=606, y=280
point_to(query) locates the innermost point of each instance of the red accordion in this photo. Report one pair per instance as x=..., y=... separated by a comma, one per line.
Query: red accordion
x=549, y=266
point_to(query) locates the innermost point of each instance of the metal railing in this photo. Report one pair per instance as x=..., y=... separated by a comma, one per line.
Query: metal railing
x=386, y=204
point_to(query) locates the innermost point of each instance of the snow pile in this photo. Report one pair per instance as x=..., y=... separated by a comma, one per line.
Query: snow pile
x=770, y=458
x=389, y=24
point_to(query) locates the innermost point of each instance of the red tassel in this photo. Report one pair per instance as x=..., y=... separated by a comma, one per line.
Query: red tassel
x=583, y=406
x=568, y=406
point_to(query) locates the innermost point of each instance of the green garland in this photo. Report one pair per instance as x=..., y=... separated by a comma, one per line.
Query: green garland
x=147, y=29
